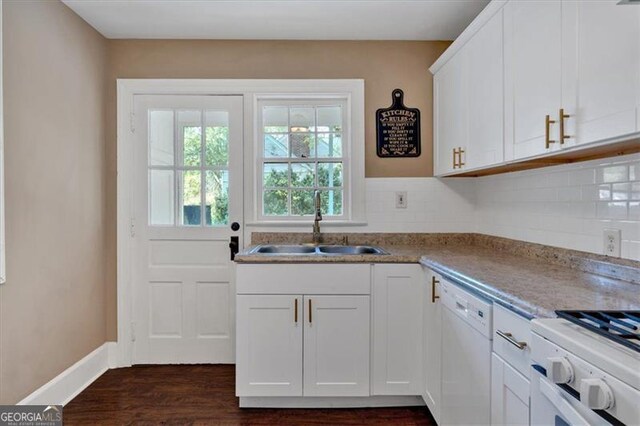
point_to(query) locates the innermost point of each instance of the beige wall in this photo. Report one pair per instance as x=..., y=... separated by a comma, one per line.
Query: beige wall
x=384, y=65
x=53, y=304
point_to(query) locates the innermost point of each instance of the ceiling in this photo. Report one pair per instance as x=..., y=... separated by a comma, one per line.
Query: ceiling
x=279, y=19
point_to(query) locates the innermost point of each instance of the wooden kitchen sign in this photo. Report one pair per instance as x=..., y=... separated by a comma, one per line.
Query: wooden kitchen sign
x=398, y=129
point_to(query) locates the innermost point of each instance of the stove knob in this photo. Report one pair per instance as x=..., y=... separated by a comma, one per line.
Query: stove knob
x=596, y=394
x=559, y=370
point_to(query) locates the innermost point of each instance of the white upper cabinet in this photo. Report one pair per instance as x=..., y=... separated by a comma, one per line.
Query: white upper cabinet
x=600, y=70
x=450, y=113
x=535, y=78
x=532, y=76
x=485, y=124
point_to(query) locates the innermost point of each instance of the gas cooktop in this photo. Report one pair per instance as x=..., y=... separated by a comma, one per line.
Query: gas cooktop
x=622, y=327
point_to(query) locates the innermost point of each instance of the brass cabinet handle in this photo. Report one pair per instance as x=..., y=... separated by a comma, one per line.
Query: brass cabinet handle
x=455, y=165
x=310, y=319
x=460, y=152
x=434, y=281
x=562, y=117
x=295, y=311
x=509, y=338
x=547, y=129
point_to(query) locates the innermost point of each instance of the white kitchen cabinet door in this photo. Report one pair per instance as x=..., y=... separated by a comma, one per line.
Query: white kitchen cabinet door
x=269, y=345
x=397, y=329
x=336, y=346
x=601, y=70
x=432, y=343
x=486, y=95
x=450, y=112
x=532, y=54
x=509, y=394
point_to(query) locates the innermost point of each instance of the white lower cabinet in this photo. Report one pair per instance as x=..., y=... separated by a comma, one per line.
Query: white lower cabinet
x=336, y=346
x=509, y=394
x=269, y=345
x=432, y=343
x=397, y=329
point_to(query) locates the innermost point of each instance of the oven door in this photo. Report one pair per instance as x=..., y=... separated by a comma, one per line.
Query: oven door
x=552, y=405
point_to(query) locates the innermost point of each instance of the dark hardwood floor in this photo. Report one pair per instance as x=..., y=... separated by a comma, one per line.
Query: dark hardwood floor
x=204, y=395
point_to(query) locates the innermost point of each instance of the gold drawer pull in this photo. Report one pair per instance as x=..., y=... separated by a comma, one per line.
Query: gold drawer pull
x=460, y=152
x=434, y=281
x=563, y=116
x=509, y=338
x=309, y=311
x=295, y=311
x=547, y=130
x=455, y=164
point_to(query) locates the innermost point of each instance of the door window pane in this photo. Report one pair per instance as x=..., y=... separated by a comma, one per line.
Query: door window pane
x=217, y=138
x=275, y=203
x=303, y=175
x=161, y=138
x=329, y=174
x=161, y=197
x=302, y=202
x=217, y=198
x=190, y=129
x=191, y=201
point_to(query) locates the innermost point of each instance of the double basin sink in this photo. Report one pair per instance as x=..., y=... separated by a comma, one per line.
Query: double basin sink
x=306, y=249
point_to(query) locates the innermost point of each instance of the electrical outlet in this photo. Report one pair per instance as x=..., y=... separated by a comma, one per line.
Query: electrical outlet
x=401, y=200
x=611, y=242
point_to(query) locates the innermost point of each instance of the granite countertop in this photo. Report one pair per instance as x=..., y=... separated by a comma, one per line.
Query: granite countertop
x=531, y=279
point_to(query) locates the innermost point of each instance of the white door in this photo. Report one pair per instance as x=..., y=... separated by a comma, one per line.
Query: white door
x=397, y=326
x=269, y=334
x=601, y=70
x=532, y=49
x=187, y=193
x=336, y=346
x=509, y=394
x=486, y=95
x=450, y=112
x=432, y=342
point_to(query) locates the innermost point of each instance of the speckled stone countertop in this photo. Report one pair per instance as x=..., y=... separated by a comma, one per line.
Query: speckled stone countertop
x=531, y=279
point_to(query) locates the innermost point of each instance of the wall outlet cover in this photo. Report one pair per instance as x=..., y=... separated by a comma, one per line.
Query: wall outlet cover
x=611, y=242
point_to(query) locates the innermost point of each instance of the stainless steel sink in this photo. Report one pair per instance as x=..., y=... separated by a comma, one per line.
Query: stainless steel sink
x=350, y=250
x=301, y=249
x=284, y=249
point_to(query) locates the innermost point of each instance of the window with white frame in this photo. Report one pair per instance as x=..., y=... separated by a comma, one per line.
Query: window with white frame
x=303, y=146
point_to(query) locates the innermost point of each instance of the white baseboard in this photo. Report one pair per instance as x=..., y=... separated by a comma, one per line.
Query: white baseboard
x=329, y=402
x=68, y=384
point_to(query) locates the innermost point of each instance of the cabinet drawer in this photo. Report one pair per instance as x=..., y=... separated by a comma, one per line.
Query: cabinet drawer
x=509, y=329
x=306, y=278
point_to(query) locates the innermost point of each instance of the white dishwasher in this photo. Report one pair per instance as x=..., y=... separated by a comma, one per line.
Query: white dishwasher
x=466, y=357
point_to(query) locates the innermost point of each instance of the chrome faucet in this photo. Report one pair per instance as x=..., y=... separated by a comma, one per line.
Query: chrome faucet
x=316, y=221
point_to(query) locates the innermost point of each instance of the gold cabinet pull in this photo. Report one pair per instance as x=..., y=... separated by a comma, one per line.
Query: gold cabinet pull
x=434, y=281
x=455, y=165
x=295, y=311
x=547, y=130
x=509, y=338
x=562, y=117
x=310, y=319
x=460, y=152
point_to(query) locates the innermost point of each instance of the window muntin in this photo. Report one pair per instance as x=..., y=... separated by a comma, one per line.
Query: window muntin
x=301, y=147
x=188, y=167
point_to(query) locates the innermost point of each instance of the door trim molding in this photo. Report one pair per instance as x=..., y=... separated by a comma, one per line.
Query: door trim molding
x=126, y=90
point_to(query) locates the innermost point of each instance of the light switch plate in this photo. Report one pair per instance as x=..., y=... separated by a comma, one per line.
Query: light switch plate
x=401, y=200
x=611, y=242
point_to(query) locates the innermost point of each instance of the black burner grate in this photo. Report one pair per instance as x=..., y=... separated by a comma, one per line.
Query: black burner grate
x=620, y=326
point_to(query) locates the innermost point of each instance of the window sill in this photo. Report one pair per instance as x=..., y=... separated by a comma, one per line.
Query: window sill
x=305, y=224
